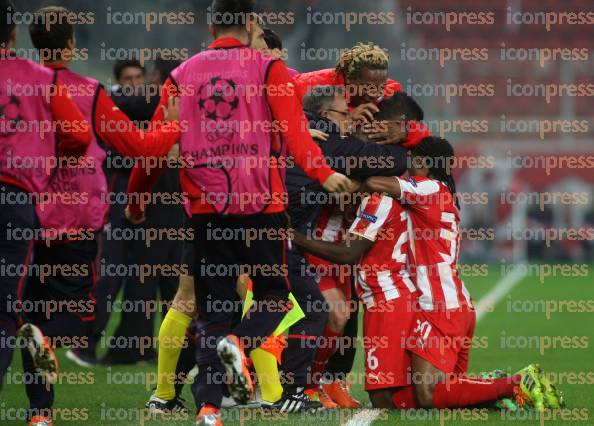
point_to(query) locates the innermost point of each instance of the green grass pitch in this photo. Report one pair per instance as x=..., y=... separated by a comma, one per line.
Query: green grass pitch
x=516, y=332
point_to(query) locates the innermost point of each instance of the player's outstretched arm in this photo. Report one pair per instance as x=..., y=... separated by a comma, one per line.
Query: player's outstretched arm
x=133, y=142
x=345, y=253
x=286, y=110
x=384, y=185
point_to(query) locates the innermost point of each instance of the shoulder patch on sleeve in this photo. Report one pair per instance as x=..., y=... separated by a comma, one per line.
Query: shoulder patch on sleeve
x=369, y=217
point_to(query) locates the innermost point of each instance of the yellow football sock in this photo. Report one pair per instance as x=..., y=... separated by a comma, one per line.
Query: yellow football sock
x=268, y=376
x=267, y=357
x=171, y=339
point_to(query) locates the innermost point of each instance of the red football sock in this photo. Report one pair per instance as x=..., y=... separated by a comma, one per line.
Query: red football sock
x=464, y=392
x=323, y=354
x=404, y=398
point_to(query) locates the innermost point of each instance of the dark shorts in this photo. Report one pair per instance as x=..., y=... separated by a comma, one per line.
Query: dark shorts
x=62, y=281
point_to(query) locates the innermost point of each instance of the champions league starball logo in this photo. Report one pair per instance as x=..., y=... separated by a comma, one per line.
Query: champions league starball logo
x=10, y=115
x=218, y=101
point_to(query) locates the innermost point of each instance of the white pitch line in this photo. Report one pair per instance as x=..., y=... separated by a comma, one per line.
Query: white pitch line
x=363, y=418
x=487, y=303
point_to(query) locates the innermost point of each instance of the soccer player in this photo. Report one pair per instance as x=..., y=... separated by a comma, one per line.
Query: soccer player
x=443, y=328
x=213, y=100
x=363, y=71
x=377, y=242
x=28, y=160
x=75, y=212
x=166, y=395
x=329, y=110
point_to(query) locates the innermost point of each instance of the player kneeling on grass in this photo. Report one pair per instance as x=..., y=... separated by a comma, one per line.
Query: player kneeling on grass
x=377, y=241
x=443, y=327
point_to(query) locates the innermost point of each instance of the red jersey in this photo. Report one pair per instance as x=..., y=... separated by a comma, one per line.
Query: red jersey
x=332, y=225
x=434, y=243
x=382, y=272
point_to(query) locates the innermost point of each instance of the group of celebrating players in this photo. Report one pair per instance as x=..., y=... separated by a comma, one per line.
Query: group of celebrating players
x=398, y=236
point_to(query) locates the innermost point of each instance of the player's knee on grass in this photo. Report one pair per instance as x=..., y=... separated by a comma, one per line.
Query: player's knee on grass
x=381, y=398
x=185, y=297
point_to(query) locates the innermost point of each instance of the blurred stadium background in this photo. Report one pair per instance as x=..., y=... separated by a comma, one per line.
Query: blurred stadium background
x=492, y=105
x=511, y=195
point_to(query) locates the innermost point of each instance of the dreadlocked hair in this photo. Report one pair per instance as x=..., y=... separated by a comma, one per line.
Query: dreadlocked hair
x=439, y=156
x=352, y=61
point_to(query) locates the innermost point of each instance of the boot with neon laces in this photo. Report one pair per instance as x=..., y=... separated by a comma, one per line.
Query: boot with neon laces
x=232, y=356
x=209, y=415
x=339, y=391
x=44, y=358
x=318, y=394
x=531, y=391
x=553, y=396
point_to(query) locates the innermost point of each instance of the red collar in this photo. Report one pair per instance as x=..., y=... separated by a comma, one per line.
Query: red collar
x=225, y=42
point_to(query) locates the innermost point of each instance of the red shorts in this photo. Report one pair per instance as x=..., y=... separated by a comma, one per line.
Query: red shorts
x=443, y=338
x=385, y=328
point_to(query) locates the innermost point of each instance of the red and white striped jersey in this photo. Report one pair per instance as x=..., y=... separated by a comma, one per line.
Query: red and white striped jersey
x=332, y=226
x=382, y=272
x=434, y=243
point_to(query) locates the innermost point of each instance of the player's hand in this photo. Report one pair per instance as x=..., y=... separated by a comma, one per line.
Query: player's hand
x=338, y=182
x=318, y=134
x=387, y=138
x=171, y=112
x=364, y=113
x=390, y=133
x=354, y=186
x=134, y=219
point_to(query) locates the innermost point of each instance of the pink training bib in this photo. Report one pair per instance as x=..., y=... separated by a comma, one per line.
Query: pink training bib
x=27, y=139
x=77, y=193
x=230, y=137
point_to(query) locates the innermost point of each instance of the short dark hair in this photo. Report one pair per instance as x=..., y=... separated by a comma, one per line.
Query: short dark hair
x=165, y=67
x=401, y=106
x=6, y=22
x=126, y=63
x=231, y=13
x=272, y=39
x=319, y=97
x=52, y=37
